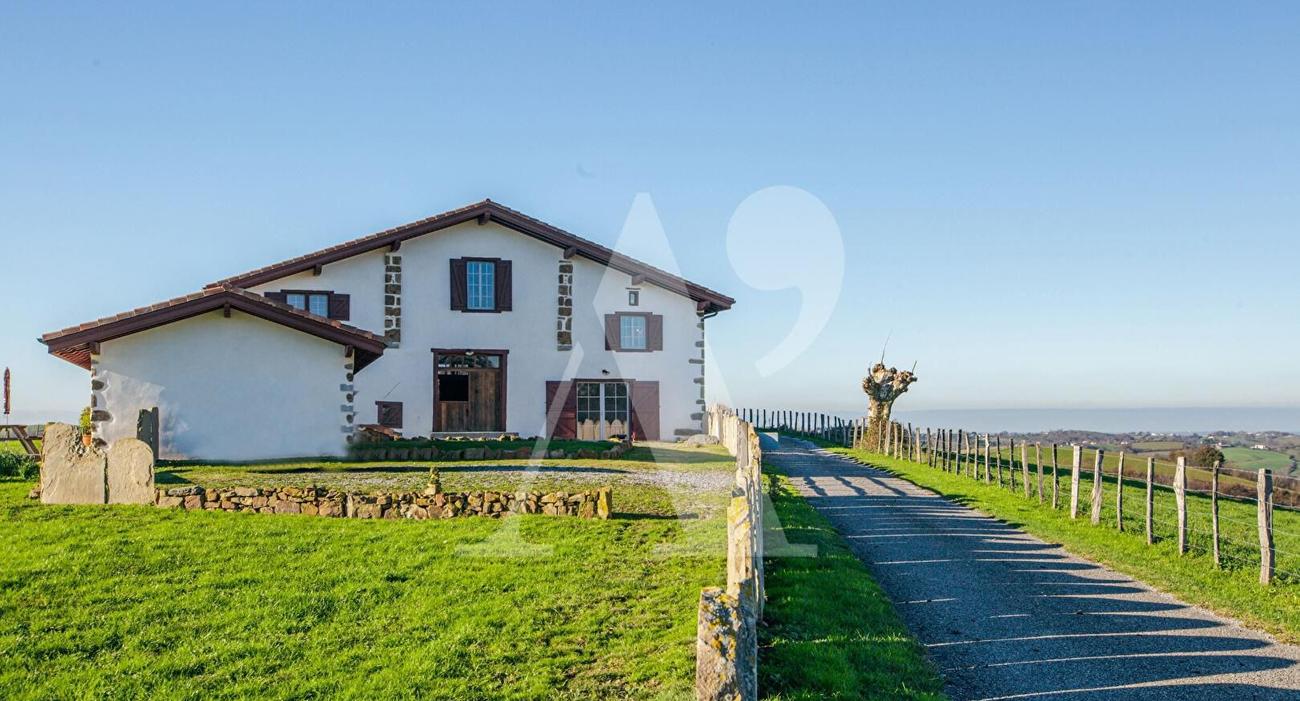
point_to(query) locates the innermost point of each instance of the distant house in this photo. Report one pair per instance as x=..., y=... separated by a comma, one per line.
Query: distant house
x=480, y=320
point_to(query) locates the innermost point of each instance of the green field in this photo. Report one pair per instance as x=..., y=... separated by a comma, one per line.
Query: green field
x=1251, y=459
x=141, y=602
x=1157, y=446
x=1233, y=590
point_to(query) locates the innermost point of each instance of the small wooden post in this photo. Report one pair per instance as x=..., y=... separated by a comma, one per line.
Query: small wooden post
x=1096, y=487
x=929, y=447
x=1151, y=478
x=1119, y=494
x=1214, y=512
x=1264, y=497
x=1074, y=481
x=1024, y=466
x=956, y=448
x=1180, y=499
x=1038, y=460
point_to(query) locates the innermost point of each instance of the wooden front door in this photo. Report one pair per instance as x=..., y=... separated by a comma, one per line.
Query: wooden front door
x=469, y=391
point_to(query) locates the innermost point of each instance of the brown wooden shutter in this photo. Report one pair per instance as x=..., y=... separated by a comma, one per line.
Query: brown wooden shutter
x=562, y=411
x=654, y=332
x=277, y=297
x=645, y=410
x=503, y=286
x=459, y=286
x=340, y=306
x=613, y=341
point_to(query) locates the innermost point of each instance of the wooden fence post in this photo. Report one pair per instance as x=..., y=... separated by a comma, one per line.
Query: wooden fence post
x=988, y=474
x=1024, y=466
x=1074, y=481
x=957, y=454
x=1151, y=478
x=998, y=456
x=1264, y=517
x=1119, y=494
x=1096, y=487
x=1056, y=480
x=1010, y=462
x=1038, y=460
x=1214, y=512
x=1180, y=499
x=965, y=450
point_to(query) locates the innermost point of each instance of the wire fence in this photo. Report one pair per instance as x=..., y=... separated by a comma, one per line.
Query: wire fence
x=1240, y=519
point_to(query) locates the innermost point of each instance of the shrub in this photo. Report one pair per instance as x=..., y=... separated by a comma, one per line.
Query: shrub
x=84, y=421
x=17, y=465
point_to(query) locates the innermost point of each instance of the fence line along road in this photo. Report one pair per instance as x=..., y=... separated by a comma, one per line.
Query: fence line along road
x=726, y=645
x=1238, y=518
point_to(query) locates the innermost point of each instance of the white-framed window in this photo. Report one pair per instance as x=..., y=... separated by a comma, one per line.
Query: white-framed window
x=631, y=333
x=318, y=304
x=480, y=284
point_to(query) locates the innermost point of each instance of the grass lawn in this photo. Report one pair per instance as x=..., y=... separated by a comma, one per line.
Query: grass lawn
x=140, y=602
x=1234, y=590
x=829, y=630
x=15, y=446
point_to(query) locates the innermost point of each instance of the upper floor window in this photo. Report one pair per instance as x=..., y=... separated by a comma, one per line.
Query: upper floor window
x=631, y=333
x=480, y=285
x=634, y=331
x=480, y=277
x=331, y=305
x=633, y=298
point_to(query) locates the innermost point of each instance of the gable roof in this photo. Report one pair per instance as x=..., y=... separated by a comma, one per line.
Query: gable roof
x=74, y=344
x=706, y=299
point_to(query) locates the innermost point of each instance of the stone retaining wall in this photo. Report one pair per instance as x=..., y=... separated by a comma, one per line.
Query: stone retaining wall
x=429, y=504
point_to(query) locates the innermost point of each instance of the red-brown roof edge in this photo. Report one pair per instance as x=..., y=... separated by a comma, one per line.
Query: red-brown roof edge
x=709, y=300
x=73, y=343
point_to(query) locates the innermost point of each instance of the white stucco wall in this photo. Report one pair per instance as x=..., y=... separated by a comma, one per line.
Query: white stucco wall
x=406, y=373
x=238, y=388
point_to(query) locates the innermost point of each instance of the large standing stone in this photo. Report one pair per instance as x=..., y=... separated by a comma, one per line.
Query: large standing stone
x=130, y=472
x=71, y=473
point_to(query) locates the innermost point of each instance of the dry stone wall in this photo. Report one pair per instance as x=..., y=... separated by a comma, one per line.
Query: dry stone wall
x=429, y=504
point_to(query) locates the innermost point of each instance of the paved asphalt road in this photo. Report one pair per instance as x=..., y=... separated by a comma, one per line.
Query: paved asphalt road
x=1004, y=615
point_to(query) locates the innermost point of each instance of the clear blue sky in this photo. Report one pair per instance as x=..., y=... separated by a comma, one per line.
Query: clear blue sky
x=1047, y=204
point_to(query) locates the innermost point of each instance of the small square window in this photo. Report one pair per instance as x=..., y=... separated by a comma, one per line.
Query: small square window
x=390, y=414
x=632, y=332
x=633, y=298
x=297, y=300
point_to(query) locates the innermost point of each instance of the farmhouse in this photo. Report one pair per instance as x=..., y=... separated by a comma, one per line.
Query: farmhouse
x=480, y=320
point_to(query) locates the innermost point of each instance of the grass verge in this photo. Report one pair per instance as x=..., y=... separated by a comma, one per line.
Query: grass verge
x=829, y=630
x=1234, y=591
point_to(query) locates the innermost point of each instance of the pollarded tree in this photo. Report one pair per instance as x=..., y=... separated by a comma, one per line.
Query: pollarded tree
x=883, y=385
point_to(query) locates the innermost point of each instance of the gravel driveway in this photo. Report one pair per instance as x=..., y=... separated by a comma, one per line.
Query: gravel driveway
x=1004, y=615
